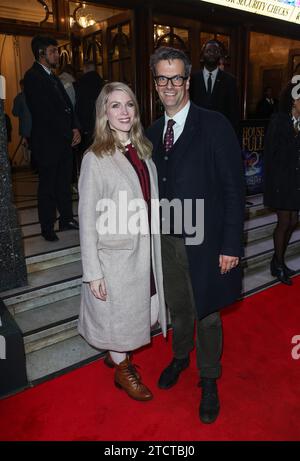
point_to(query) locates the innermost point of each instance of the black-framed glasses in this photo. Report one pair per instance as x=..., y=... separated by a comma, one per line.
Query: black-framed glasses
x=177, y=80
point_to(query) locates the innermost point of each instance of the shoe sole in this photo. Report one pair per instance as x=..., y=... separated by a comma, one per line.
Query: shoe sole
x=210, y=421
x=131, y=396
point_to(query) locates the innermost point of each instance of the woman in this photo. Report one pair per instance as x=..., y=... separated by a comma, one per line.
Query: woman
x=122, y=291
x=282, y=176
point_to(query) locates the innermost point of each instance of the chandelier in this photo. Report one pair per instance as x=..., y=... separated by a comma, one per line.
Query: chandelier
x=83, y=16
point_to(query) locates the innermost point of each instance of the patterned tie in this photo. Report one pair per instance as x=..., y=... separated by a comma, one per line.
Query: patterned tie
x=209, y=84
x=169, y=135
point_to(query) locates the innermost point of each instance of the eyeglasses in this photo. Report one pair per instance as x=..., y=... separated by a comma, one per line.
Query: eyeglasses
x=177, y=80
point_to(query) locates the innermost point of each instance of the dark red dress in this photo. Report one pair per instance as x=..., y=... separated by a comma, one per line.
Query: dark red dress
x=142, y=172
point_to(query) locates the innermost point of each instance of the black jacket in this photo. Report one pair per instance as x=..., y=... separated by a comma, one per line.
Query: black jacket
x=224, y=97
x=52, y=115
x=281, y=164
x=87, y=90
x=210, y=167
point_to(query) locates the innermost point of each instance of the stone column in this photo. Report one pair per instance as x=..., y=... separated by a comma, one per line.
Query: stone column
x=12, y=261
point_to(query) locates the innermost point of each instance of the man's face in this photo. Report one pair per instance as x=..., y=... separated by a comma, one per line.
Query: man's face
x=173, y=98
x=52, y=56
x=211, y=54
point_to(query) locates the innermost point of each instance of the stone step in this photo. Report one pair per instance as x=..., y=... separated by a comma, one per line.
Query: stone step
x=49, y=336
x=59, y=357
x=53, y=259
x=47, y=316
x=50, y=285
x=255, y=229
x=260, y=252
x=44, y=287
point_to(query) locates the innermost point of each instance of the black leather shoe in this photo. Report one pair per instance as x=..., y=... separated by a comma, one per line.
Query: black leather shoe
x=279, y=271
x=73, y=224
x=210, y=404
x=288, y=271
x=50, y=236
x=170, y=375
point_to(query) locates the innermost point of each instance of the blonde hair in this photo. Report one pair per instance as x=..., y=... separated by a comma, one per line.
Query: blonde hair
x=106, y=139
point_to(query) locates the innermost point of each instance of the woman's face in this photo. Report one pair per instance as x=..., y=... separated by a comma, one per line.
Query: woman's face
x=296, y=108
x=120, y=113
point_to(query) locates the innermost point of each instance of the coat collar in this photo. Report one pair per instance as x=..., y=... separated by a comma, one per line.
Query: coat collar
x=127, y=171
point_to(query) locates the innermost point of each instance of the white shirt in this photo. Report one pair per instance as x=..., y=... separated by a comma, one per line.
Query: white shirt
x=180, y=119
x=213, y=77
x=44, y=67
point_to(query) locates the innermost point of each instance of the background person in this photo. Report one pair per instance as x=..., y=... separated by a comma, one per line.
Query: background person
x=282, y=177
x=213, y=88
x=54, y=133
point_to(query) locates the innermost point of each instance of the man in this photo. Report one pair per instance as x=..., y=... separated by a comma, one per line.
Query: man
x=214, y=89
x=20, y=110
x=197, y=157
x=87, y=91
x=54, y=132
x=267, y=105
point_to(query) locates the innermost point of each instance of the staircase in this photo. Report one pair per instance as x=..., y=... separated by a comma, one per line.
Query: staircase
x=47, y=309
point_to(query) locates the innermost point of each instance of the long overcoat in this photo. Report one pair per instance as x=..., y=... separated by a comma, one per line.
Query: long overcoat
x=53, y=118
x=208, y=166
x=281, y=164
x=122, y=256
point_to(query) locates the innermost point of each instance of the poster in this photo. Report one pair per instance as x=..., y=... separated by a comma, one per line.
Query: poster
x=252, y=142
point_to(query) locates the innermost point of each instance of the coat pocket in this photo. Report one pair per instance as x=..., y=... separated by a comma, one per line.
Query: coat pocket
x=115, y=244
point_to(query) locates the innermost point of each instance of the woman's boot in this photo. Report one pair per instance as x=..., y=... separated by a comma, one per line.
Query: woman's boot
x=126, y=379
x=278, y=270
x=111, y=364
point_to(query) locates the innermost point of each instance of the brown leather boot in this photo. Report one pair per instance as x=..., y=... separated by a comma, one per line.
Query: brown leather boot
x=111, y=364
x=126, y=379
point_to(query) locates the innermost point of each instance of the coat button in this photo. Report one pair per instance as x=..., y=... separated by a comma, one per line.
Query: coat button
x=164, y=179
x=166, y=157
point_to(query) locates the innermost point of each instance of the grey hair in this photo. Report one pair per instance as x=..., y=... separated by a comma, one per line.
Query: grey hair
x=165, y=53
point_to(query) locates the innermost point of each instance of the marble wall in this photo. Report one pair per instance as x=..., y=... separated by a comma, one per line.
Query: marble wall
x=12, y=261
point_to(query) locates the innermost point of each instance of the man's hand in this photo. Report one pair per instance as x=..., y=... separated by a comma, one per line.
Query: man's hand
x=98, y=288
x=226, y=263
x=76, y=137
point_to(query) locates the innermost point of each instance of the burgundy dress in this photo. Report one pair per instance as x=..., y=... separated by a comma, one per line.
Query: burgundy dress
x=142, y=172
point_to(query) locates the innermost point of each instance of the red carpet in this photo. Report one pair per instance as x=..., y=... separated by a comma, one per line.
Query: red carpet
x=259, y=389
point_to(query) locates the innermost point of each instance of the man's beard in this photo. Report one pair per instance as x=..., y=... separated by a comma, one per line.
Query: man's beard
x=51, y=65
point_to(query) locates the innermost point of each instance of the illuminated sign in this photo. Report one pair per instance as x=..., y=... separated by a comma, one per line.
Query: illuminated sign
x=288, y=10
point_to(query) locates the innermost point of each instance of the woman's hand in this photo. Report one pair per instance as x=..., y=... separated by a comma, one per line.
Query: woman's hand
x=98, y=288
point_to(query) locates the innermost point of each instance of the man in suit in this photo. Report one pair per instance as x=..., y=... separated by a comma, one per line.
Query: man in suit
x=87, y=91
x=197, y=157
x=214, y=89
x=267, y=105
x=54, y=132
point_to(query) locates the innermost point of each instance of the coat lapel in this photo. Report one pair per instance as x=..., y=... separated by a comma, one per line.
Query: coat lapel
x=127, y=171
x=202, y=84
x=186, y=137
x=158, y=133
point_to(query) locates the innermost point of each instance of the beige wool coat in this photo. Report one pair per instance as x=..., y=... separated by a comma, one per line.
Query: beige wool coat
x=123, y=321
